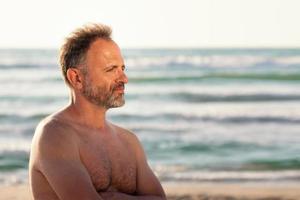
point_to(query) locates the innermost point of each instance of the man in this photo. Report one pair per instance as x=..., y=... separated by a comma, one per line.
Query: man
x=76, y=153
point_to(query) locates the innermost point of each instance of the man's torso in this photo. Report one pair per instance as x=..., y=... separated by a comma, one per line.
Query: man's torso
x=108, y=157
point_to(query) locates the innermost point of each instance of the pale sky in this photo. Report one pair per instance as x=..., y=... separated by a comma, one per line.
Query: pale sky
x=154, y=23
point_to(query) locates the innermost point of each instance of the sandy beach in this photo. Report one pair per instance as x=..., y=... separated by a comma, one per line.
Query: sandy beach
x=232, y=191
x=188, y=191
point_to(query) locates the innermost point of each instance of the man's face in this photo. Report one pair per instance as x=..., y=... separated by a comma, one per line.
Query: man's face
x=104, y=77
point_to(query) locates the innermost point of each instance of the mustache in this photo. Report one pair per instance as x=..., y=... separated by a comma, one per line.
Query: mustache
x=119, y=86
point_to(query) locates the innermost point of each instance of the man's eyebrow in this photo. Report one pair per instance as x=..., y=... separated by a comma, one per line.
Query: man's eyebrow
x=114, y=66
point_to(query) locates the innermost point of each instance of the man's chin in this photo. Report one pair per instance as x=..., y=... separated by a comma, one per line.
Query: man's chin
x=116, y=106
x=117, y=103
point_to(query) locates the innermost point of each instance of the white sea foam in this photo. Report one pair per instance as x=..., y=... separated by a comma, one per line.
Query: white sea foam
x=14, y=143
x=210, y=61
x=197, y=60
x=289, y=110
x=12, y=58
x=289, y=60
x=214, y=89
x=226, y=176
x=13, y=178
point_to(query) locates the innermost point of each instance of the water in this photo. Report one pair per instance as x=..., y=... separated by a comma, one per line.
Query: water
x=206, y=115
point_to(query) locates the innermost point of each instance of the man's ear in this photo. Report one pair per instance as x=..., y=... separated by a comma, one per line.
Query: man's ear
x=75, y=78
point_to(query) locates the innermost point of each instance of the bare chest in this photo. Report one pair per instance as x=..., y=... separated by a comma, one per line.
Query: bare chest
x=110, y=164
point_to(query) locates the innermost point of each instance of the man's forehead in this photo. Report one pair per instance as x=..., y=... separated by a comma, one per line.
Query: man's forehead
x=104, y=49
x=103, y=45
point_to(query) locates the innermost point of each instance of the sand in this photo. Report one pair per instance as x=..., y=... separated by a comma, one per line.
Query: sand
x=263, y=191
x=191, y=191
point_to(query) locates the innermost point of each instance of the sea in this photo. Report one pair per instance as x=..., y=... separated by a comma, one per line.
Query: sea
x=202, y=115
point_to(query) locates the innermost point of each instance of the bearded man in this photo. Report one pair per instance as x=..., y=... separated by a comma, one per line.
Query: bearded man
x=76, y=153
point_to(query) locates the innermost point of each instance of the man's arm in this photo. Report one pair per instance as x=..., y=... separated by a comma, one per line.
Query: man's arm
x=148, y=186
x=59, y=161
x=123, y=196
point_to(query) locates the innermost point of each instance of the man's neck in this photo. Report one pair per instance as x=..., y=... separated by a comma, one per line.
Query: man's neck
x=87, y=113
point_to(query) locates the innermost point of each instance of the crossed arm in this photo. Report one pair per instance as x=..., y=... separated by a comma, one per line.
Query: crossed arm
x=122, y=196
x=148, y=186
x=60, y=163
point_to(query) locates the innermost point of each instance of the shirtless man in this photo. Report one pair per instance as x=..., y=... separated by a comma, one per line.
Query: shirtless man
x=76, y=153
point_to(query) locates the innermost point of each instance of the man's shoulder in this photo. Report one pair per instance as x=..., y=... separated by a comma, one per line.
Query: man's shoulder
x=51, y=126
x=52, y=143
x=52, y=132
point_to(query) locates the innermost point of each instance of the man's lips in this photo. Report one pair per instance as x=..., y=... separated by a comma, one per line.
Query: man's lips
x=120, y=88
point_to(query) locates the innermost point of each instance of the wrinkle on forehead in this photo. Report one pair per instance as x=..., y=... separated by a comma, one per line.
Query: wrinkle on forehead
x=103, y=52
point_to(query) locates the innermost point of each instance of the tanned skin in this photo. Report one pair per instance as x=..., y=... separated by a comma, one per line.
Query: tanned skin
x=77, y=154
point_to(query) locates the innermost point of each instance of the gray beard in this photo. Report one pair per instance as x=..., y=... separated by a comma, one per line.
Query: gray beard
x=100, y=97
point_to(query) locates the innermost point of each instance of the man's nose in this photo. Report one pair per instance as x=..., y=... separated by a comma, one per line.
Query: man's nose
x=122, y=76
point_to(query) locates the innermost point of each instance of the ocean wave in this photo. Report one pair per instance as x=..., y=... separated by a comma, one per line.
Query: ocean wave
x=194, y=118
x=142, y=59
x=23, y=129
x=173, y=77
x=189, y=97
x=230, y=176
x=203, y=153
x=33, y=99
x=211, y=61
x=16, y=118
x=240, y=76
x=27, y=58
x=18, y=176
x=26, y=66
x=171, y=96
x=216, y=148
x=13, y=160
x=272, y=164
x=205, y=98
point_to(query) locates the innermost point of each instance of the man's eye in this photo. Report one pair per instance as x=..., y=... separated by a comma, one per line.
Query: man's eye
x=111, y=69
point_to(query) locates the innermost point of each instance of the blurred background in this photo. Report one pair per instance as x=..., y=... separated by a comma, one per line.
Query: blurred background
x=213, y=93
